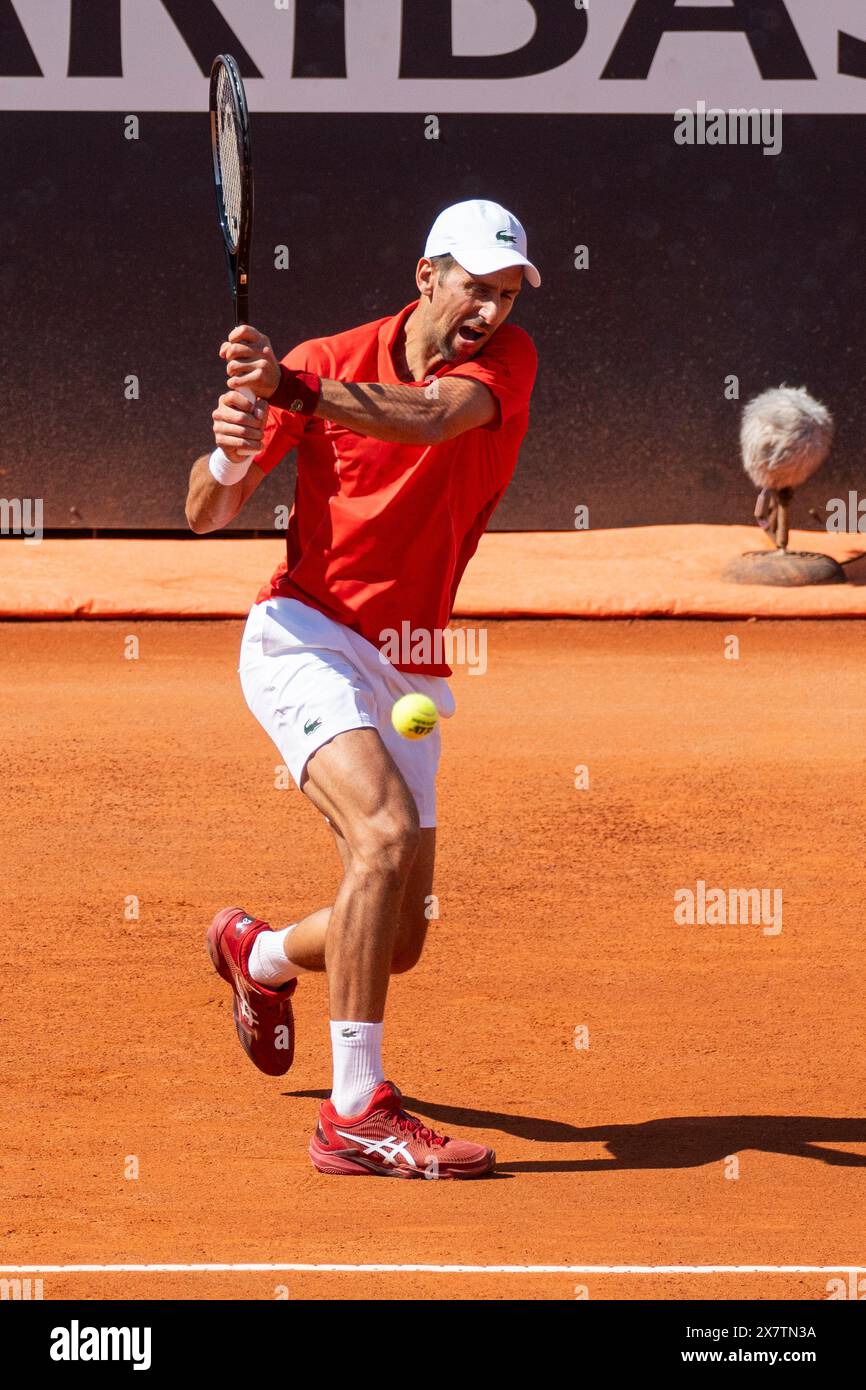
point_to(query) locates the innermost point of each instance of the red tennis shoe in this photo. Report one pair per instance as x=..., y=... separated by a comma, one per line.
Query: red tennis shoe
x=263, y=1017
x=384, y=1140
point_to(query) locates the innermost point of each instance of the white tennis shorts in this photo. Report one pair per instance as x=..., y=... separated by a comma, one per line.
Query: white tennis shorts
x=307, y=678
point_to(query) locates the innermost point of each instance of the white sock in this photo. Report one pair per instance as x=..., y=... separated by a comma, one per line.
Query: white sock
x=269, y=965
x=357, y=1049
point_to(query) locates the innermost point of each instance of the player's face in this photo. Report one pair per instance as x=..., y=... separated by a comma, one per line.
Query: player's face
x=467, y=309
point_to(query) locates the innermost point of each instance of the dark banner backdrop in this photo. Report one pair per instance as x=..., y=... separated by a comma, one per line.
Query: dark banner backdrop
x=705, y=263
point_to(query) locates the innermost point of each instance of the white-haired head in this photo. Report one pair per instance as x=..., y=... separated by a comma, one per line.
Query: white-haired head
x=785, y=436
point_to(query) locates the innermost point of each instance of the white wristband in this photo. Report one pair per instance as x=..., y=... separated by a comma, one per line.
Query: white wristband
x=225, y=471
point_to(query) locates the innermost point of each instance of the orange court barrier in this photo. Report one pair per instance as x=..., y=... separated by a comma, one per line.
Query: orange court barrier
x=648, y=571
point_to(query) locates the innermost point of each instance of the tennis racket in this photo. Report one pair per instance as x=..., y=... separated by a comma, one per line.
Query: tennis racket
x=233, y=177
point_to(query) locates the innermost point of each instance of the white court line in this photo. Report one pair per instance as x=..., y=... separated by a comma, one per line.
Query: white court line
x=429, y=1269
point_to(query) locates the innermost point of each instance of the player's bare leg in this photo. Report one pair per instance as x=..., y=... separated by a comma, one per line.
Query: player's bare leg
x=388, y=866
x=354, y=782
x=304, y=946
x=363, y=1127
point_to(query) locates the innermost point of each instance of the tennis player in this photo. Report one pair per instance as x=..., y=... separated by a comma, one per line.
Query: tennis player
x=407, y=432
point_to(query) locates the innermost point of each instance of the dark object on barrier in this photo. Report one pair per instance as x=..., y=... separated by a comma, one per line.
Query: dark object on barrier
x=784, y=568
x=785, y=437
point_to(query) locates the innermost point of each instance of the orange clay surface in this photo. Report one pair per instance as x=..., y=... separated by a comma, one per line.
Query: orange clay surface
x=718, y=1115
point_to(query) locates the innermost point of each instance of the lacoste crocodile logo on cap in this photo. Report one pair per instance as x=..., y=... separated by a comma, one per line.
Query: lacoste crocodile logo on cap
x=505, y=236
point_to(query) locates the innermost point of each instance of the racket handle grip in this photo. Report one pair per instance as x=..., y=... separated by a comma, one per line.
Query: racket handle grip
x=251, y=396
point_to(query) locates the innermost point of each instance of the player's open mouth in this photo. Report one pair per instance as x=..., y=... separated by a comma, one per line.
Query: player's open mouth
x=469, y=335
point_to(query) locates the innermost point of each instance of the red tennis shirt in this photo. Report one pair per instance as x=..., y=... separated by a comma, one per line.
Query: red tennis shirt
x=379, y=534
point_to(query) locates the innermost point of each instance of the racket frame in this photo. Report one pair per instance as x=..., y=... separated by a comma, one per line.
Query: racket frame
x=237, y=255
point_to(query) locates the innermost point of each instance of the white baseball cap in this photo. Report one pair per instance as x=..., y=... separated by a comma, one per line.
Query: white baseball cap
x=481, y=237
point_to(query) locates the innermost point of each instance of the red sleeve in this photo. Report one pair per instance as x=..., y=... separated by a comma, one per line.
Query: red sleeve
x=507, y=366
x=284, y=427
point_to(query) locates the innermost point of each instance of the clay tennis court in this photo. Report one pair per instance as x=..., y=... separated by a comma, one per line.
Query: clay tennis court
x=148, y=778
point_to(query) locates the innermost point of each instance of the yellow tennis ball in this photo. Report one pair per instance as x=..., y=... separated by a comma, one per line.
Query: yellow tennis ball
x=414, y=716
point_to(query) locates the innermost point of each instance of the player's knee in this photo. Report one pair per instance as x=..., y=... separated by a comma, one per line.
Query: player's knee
x=388, y=843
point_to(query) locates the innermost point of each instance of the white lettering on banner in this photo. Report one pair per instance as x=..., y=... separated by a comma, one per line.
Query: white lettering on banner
x=497, y=56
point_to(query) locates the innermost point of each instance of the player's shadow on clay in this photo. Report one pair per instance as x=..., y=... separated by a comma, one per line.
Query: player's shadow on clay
x=680, y=1142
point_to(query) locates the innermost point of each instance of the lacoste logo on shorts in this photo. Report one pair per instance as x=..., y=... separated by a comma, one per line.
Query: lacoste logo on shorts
x=311, y=726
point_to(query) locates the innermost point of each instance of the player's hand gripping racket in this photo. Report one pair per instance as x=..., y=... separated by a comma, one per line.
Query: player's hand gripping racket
x=233, y=176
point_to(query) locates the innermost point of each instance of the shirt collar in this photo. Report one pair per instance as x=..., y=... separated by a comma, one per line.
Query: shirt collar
x=388, y=334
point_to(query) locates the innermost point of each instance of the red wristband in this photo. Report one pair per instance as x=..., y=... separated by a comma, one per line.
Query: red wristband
x=297, y=391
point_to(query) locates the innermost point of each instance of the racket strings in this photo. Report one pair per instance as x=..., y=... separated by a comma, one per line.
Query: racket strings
x=229, y=154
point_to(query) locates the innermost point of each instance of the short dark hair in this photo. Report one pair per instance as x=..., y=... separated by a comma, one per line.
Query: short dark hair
x=443, y=264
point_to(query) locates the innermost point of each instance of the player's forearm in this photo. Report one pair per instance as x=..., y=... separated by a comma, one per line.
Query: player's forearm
x=395, y=414
x=210, y=505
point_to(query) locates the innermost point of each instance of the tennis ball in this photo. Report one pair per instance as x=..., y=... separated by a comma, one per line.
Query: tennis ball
x=414, y=716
